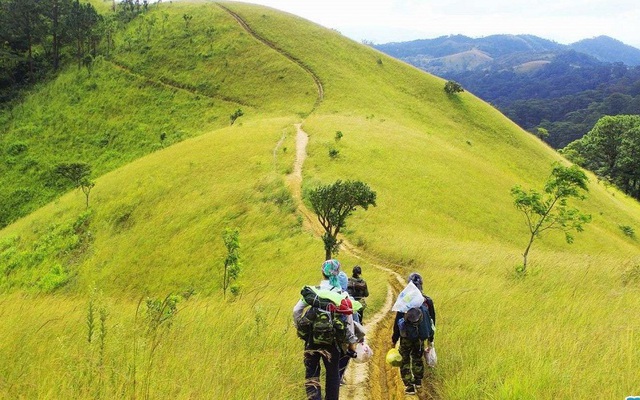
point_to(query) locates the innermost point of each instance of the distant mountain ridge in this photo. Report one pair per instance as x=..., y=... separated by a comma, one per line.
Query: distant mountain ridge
x=536, y=82
x=607, y=49
x=435, y=54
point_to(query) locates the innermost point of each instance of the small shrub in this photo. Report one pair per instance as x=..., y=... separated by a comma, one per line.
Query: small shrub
x=452, y=87
x=54, y=279
x=333, y=153
x=237, y=114
x=628, y=231
x=520, y=271
x=338, y=136
x=15, y=149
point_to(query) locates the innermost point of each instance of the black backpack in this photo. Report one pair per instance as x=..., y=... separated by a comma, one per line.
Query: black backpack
x=357, y=288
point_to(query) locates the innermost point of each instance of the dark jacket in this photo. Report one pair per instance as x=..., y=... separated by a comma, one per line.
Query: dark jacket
x=429, y=312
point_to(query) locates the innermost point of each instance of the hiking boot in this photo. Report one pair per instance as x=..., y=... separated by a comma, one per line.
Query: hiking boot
x=411, y=389
x=417, y=384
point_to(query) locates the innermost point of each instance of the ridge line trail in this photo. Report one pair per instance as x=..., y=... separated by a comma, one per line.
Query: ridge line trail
x=289, y=56
x=172, y=85
x=374, y=380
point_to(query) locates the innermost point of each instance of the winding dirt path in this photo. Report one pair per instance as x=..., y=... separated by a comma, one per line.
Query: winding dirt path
x=274, y=46
x=374, y=380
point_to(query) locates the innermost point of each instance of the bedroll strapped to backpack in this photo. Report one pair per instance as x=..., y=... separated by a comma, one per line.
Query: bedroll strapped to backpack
x=325, y=322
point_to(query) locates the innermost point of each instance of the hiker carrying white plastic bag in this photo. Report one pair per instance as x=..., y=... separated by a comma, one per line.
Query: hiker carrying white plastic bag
x=414, y=325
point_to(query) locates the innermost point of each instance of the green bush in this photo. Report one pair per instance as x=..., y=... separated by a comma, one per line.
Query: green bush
x=17, y=148
x=628, y=231
x=54, y=279
x=452, y=87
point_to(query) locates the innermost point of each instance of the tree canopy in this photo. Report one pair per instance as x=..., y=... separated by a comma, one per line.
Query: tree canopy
x=334, y=203
x=549, y=210
x=611, y=150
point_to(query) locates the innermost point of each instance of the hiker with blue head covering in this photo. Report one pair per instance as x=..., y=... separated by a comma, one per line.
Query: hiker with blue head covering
x=317, y=347
x=413, y=327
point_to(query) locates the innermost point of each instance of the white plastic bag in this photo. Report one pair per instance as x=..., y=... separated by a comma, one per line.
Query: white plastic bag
x=410, y=297
x=431, y=356
x=363, y=353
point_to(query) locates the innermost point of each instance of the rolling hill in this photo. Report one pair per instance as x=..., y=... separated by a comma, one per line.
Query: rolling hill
x=124, y=298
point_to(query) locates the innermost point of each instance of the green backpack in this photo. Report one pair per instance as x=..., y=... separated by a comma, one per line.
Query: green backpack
x=318, y=325
x=322, y=328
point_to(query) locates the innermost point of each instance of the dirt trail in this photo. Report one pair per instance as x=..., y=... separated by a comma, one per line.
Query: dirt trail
x=374, y=380
x=291, y=57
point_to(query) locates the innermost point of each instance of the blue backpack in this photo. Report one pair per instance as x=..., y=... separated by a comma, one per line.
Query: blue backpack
x=416, y=324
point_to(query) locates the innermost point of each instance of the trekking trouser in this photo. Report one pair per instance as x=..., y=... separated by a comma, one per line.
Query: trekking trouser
x=344, y=362
x=412, y=367
x=330, y=356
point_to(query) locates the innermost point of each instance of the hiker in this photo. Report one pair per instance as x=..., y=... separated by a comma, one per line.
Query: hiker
x=331, y=351
x=357, y=288
x=412, y=329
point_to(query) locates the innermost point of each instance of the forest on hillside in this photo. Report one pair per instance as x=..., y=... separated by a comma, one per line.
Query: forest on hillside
x=39, y=37
x=566, y=97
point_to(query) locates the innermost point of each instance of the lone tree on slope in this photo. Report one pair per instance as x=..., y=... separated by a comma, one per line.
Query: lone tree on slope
x=453, y=87
x=549, y=210
x=78, y=174
x=232, y=264
x=334, y=203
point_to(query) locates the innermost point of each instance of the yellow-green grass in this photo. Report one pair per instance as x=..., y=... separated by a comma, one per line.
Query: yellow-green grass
x=442, y=167
x=216, y=56
x=213, y=349
x=178, y=202
x=160, y=84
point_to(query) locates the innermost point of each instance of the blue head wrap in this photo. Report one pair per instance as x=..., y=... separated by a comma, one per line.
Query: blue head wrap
x=344, y=280
x=331, y=269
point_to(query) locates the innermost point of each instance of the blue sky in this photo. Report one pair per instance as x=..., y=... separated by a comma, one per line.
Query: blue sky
x=382, y=21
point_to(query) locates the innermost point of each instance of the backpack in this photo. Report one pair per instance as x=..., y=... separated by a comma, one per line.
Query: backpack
x=321, y=324
x=328, y=328
x=357, y=288
x=416, y=324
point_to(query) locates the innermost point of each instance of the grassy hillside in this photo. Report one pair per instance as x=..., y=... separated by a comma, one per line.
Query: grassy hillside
x=163, y=83
x=442, y=167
